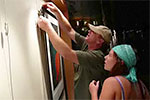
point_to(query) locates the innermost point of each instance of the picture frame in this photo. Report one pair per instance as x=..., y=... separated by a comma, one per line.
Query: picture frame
x=54, y=60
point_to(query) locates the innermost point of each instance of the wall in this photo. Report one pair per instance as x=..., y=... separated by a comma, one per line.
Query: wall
x=21, y=75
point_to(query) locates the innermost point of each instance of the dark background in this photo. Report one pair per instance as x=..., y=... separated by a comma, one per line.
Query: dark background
x=129, y=18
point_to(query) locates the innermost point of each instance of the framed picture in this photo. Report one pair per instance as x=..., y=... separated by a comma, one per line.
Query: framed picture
x=54, y=60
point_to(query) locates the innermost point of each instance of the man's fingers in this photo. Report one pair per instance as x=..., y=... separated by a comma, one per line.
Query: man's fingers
x=41, y=17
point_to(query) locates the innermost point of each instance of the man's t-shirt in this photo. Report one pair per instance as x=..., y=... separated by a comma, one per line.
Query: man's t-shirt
x=91, y=67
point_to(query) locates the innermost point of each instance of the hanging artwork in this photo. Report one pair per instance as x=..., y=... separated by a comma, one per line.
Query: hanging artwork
x=54, y=60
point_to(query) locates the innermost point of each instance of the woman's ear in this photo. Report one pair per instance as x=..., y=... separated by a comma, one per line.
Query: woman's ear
x=122, y=62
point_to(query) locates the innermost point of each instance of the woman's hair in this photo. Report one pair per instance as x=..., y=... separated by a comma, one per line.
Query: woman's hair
x=119, y=68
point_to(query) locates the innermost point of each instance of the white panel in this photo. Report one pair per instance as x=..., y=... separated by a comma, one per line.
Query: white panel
x=5, y=84
x=5, y=79
x=26, y=67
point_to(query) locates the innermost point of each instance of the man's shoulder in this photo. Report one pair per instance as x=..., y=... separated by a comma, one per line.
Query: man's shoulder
x=97, y=52
x=91, y=53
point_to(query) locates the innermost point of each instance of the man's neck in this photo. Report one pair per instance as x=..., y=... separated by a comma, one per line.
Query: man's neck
x=93, y=47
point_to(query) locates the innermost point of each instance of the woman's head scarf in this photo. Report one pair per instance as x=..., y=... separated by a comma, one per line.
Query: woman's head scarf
x=127, y=54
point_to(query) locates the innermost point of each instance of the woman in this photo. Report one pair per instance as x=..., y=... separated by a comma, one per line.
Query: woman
x=123, y=83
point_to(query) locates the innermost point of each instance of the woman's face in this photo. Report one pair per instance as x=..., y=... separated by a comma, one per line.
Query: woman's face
x=110, y=60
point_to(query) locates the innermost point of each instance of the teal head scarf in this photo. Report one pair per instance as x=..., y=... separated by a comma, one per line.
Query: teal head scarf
x=126, y=53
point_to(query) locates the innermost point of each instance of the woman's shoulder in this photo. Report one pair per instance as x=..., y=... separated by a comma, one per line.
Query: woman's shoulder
x=109, y=86
x=111, y=80
x=112, y=85
x=116, y=80
x=116, y=83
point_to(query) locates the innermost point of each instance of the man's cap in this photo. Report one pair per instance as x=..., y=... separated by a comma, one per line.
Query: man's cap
x=104, y=31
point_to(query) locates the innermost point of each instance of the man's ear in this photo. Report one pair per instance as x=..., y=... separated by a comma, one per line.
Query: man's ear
x=100, y=41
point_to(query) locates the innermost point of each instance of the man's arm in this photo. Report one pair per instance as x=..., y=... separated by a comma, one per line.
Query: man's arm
x=61, y=47
x=63, y=22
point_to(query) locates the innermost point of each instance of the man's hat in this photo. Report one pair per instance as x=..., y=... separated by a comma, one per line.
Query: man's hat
x=104, y=31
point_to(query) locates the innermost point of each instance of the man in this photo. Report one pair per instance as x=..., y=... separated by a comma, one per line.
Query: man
x=89, y=61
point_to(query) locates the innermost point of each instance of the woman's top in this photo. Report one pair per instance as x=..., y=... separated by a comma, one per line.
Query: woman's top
x=122, y=90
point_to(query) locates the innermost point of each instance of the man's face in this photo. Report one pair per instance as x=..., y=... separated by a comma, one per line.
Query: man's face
x=92, y=37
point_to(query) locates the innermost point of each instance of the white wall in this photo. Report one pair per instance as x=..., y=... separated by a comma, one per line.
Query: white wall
x=5, y=79
x=21, y=74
